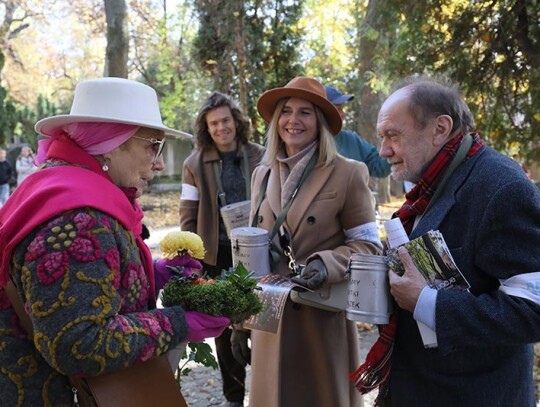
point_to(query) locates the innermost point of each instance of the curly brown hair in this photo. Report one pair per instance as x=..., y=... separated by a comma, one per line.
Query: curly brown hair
x=213, y=101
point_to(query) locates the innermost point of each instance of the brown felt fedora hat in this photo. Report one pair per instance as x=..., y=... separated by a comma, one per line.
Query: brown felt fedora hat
x=303, y=88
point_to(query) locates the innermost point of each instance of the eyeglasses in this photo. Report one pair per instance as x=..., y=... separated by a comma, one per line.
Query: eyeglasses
x=157, y=145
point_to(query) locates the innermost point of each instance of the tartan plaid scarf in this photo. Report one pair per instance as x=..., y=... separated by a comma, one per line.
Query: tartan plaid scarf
x=418, y=198
x=375, y=371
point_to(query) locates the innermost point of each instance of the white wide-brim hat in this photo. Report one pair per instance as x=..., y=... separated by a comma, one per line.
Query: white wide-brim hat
x=111, y=100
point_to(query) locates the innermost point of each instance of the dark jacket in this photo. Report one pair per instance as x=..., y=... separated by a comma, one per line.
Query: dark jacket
x=5, y=172
x=489, y=215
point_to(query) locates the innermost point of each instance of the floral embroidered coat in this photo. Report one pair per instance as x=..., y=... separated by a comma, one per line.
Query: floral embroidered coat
x=89, y=297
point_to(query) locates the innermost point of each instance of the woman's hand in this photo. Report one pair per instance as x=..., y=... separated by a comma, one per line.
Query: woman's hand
x=163, y=272
x=313, y=276
x=201, y=326
x=239, y=346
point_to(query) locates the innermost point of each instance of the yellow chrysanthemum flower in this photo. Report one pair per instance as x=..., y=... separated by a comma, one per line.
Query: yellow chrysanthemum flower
x=179, y=243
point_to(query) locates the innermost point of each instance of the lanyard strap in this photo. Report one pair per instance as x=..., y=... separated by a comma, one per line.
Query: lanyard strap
x=283, y=214
x=18, y=307
x=217, y=175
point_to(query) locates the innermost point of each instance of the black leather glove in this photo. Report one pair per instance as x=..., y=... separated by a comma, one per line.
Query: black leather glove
x=239, y=346
x=313, y=276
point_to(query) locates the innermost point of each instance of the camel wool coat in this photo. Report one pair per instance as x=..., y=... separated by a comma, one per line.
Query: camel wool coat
x=307, y=362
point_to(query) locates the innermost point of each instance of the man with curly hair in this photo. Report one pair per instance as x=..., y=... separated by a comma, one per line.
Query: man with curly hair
x=218, y=173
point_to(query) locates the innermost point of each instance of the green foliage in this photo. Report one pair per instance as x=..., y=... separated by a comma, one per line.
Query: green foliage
x=491, y=48
x=19, y=119
x=166, y=42
x=45, y=108
x=249, y=47
x=28, y=118
x=231, y=295
x=326, y=27
x=16, y=119
x=200, y=353
x=9, y=117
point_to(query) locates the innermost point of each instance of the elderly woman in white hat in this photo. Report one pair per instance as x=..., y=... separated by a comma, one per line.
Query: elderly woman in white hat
x=325, y=202
x=71, y=250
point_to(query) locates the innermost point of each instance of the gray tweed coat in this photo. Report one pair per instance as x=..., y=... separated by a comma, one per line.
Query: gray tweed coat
x=489, y=215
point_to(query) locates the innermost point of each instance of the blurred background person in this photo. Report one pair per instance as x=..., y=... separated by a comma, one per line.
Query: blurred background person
x=25, y=164
x=351, y=144
x=5, y=176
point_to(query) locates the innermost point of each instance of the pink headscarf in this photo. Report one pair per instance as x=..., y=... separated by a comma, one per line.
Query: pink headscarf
x=93, y=137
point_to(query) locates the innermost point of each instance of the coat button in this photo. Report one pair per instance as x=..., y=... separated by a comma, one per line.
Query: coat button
x=259, y=219
x=311, y=220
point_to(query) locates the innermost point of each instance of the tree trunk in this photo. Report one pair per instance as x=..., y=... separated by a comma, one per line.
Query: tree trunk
x=370, y=101
x=116, y=55
x=240, y=46
x=445, y=271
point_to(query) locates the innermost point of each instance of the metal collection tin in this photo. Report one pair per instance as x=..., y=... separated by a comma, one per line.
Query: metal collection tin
x=235, y=215
x=369, y=290
x=250, y=246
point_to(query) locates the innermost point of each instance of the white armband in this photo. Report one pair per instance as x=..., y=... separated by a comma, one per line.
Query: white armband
x=523, y=285
x=189, y=192
x=367, y=231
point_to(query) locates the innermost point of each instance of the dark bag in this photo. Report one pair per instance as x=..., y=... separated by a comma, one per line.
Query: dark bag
x=149, y=383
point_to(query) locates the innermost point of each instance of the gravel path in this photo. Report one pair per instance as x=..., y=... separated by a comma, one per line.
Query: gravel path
x=202, y=387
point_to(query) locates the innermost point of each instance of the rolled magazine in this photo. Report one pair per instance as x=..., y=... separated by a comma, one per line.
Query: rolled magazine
x=432, y=258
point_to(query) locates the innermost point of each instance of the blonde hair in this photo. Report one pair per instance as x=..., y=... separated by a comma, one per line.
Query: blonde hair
x=327, y=145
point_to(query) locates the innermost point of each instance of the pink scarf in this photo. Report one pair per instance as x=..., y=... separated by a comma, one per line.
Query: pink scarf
x=93, y=137
x=51, y=191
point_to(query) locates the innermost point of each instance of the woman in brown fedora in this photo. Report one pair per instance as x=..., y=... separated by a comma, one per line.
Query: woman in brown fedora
x=329, y=217
x=76, y=279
